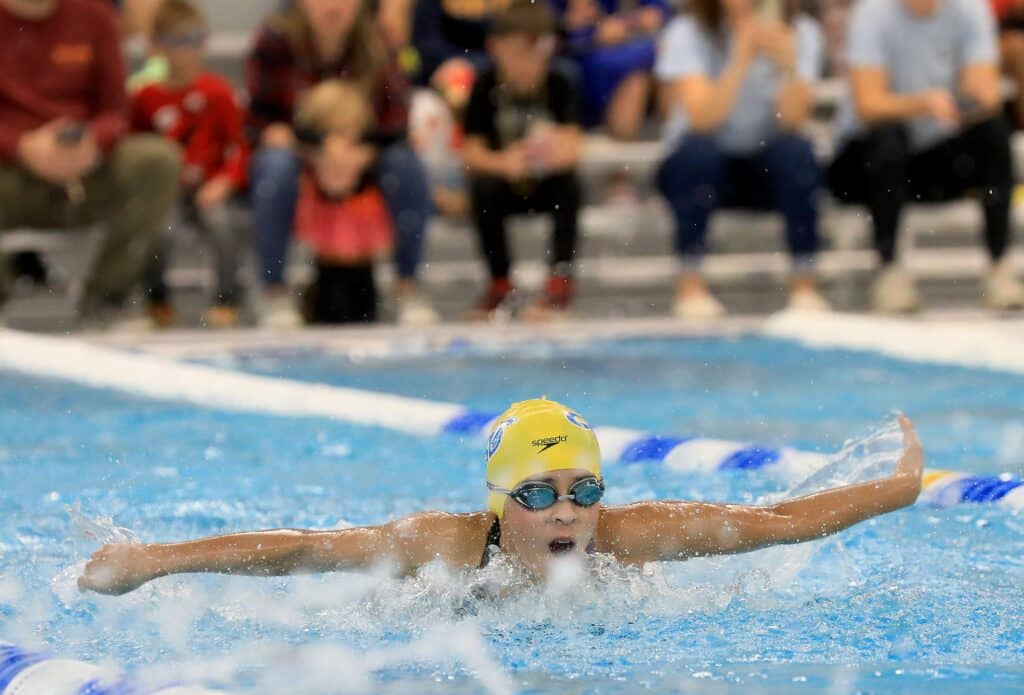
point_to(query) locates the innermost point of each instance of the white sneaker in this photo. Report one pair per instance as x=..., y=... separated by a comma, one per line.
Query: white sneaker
x=894, y=292
x=700, y=306
x=808, y=301
x=414, y=310
x=1002, y=290
x=279, y=312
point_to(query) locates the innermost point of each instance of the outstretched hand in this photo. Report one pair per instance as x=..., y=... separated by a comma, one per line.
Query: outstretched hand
x=116, y=569
x=911, y=464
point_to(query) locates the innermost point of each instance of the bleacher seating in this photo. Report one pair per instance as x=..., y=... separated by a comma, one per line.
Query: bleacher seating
x=626, y=260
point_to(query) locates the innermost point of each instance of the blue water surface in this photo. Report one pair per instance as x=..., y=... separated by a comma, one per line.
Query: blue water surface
x=923, y=599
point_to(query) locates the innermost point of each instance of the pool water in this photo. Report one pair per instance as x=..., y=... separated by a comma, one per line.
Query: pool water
x=921, y=599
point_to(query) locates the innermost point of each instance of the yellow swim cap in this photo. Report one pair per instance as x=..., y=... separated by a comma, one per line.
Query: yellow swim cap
x=537, y=436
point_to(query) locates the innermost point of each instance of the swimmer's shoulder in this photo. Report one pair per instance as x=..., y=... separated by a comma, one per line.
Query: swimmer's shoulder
x=456, y=539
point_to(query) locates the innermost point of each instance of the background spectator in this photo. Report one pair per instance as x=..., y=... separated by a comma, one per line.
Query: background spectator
x=922, y=122
x=64, y=159
x=341, y=214
x=197, y=109
x=297, y=48
x=452, y=31
x=613, y=43
x=739, y=88
x=522, y=146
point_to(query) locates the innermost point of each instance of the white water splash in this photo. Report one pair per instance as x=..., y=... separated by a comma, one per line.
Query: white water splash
x=101, y=529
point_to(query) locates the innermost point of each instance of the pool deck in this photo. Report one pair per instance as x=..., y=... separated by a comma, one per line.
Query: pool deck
x=969, y=338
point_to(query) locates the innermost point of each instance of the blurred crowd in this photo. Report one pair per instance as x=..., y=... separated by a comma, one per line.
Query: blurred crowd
x=360, y=120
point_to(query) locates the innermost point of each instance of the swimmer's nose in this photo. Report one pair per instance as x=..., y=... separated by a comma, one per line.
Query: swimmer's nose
x=564, y=512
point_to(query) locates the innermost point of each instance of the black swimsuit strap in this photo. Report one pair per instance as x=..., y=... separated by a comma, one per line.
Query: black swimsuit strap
x=493, y=538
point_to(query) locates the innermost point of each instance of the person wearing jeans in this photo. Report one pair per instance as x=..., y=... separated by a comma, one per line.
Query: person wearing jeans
x=303, y=44
x=739, y=89
x=922, y=122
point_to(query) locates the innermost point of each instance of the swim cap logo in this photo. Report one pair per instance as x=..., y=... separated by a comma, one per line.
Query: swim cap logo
x=577, y=419
x=495, y=440
x=548, y=442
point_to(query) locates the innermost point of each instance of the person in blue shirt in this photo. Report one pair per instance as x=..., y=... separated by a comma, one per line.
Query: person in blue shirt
x=922, y=122
x=737, y=77
x=613, y=43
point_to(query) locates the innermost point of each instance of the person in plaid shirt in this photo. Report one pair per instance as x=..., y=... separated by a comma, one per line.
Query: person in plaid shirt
x=306, y=43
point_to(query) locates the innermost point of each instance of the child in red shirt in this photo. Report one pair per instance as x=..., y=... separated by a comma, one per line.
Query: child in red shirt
x=198, y=110
x=340, y=213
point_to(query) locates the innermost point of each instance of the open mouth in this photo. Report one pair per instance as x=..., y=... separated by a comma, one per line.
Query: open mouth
x=561, y=546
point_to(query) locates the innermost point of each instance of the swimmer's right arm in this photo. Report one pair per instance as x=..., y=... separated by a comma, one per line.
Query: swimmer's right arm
x=409, y=543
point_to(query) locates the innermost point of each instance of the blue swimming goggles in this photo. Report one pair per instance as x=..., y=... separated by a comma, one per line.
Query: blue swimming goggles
x=536, y=496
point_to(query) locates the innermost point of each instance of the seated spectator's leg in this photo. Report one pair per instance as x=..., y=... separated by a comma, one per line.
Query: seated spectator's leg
x=402, y=180
x=794, y=177
x=26, y=201
x=227, y=240
x=153, y=281
x=10, y=184
x=873, y=171
x=560, y=197
x=403, y=183
x=132, y=192
x=5, y=279
x=342, y=294
x=492, y=204
x=1011, y=49
x=691, y=180
x=978, y=159
x=274, y=190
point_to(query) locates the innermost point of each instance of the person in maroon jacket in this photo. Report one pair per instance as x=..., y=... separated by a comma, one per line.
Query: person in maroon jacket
x=309, y=42
x=64, y=157
x=198, y=110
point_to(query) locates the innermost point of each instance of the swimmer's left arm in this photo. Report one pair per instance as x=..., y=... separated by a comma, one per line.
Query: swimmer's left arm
x=658, y=531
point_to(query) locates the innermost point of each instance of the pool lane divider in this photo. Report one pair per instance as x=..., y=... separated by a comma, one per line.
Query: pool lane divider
x=27, y=672
x=206, y=386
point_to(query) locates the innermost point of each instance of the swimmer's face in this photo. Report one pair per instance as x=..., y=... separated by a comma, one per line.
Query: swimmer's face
x=564, y=529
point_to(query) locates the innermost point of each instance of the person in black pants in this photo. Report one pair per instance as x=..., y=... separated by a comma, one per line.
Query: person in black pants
x=879, y=169
x=922, y=123
x=522, y=144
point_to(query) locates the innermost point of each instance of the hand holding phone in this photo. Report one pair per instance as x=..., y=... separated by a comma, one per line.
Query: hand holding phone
x=71, y=134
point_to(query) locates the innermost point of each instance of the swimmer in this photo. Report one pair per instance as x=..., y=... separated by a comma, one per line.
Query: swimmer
x=544, y=501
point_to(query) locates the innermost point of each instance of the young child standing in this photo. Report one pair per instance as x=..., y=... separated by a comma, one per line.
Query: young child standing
x=341, y=213
x=522, y=145
x=197, y=109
